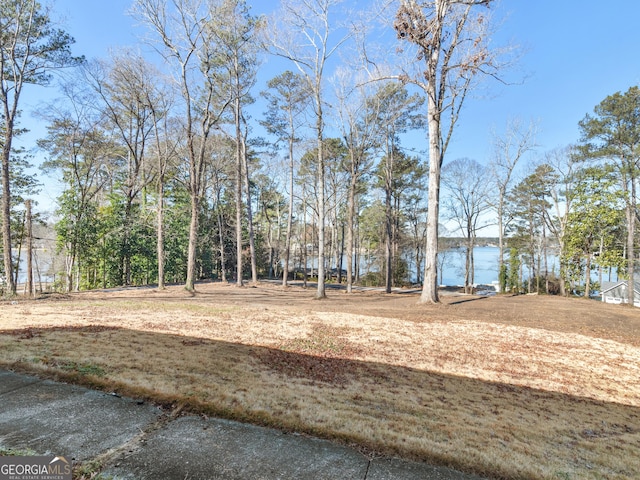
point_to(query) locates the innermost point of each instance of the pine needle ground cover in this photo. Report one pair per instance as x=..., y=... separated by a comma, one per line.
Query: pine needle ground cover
x=525, y=387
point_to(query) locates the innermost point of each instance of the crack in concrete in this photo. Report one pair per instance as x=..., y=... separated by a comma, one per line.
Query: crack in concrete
x=112, y=455
x=366, y=473
x=21, y=387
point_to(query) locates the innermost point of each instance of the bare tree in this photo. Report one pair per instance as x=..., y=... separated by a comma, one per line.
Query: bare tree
x=449, y=46
x=126, y=86
x=160, y=101
x=77, y=149
x=467, y=185
x=560, y=185
x=185, y=39
x=508, y=151
x=303, y=33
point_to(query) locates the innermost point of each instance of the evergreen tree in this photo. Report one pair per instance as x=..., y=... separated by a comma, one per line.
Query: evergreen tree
x=612, y=134
x=594, y=225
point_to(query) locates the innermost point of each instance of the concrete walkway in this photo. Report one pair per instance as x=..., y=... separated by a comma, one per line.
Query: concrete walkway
x=137, y=440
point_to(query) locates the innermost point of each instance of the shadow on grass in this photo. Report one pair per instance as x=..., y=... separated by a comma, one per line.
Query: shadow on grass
x=466, y=300
x=311, y=386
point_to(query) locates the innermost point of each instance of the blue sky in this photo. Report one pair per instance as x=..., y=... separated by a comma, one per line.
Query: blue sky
x=574, y=54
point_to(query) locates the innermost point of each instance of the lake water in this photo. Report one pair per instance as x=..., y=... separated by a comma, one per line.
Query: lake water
x=486, y=266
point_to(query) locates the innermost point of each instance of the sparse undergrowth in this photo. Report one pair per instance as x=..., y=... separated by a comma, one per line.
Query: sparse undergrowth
x=90, y=470
x=13, y=452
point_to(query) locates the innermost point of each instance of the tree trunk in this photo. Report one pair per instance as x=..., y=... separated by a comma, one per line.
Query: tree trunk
x=587, y=280
x=287, y=248
x=418, y=271
x=6, y=210
x=247, y=188
x=532, y=272
x=335, y=243
x=351, y=209
x=472, y=267
x=520, y=275
x=341, y=255
x=304, y=244
x=223, y=261
x=395, y=239
x=314, y=231
x=238, y=198
x=193, y=241
x=160, y=232
x=16, y=269
x=631, y=233
x=545, y=257
x=356, y=254
x=600, y=269
x=503, y=278
x=469, y=266
x=562, y=273
x=321, y=292
x=430, y=285
x=388, y=246
x=29, y=285
x=77, y=277
x=126, y=242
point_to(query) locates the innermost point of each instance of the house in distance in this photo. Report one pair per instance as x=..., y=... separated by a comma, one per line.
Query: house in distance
x=618, y=292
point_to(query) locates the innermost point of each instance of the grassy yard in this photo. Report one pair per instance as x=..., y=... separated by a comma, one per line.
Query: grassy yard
x=506, y=387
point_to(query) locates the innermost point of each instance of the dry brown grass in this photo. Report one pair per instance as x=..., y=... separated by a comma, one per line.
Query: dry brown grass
x=508, y=387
